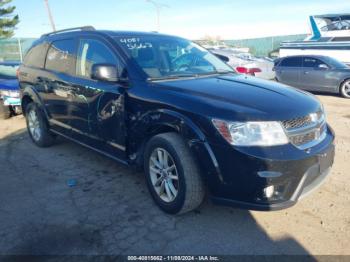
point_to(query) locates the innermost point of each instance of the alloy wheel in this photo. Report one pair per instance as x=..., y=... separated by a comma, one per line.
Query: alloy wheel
x=347, y=88
x=34, y=125
x=164, y=175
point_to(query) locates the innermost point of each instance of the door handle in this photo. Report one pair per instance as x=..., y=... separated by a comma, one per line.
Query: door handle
x=71, y=93
x=306, y=73
x=23, y=74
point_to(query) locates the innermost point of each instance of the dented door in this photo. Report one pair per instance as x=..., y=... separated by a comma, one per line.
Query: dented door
x=97, y=109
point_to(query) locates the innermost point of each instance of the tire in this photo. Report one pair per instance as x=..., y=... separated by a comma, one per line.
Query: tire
x=17, y=110
x=5, y=111
x=189, y=185
x=345, y=89
x=38, y=128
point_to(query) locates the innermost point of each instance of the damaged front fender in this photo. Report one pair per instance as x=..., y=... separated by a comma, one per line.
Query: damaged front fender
x=145, y=126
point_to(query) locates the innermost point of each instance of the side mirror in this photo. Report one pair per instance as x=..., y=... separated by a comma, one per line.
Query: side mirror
x=323, y=67
x=222, y=58
x=104, y=72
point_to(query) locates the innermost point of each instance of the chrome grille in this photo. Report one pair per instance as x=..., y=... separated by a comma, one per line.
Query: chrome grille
x=297, y=122
x=307, y=131
x=301, y=121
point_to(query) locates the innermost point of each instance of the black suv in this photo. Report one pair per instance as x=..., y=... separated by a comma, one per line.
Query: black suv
x=166, y=104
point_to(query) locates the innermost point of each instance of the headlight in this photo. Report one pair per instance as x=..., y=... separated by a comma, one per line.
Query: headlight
x=252, y=133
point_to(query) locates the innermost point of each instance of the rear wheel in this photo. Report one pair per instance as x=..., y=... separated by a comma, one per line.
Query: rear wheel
x=172, y=175
x=5, y=111
x=345, y=89
x=37, y=126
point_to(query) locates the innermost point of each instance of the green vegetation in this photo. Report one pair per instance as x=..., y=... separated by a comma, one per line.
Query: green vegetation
x=8, y=21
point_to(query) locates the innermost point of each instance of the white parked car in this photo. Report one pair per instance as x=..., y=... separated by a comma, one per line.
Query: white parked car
x=245, y=63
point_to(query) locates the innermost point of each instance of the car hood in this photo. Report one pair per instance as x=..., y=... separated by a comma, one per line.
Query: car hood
x=9, y=84
x=240, y=97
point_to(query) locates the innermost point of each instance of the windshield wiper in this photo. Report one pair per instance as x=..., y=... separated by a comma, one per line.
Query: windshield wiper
x=170, y=77
x=216, y=73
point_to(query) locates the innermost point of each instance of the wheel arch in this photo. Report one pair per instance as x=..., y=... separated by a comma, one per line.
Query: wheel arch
x=342, y=82
x=163, y=121
x=26, y=100
x=29, y=95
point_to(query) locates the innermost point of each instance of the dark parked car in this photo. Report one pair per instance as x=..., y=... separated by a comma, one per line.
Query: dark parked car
x=9, y=89
x=314, y=73
x=167, y=105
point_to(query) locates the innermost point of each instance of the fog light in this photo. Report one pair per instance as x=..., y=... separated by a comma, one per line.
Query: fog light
x=268, y=191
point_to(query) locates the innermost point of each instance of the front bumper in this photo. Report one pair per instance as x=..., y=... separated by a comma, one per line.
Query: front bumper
x=301, y=191
x=11, y=101
x=243, y=174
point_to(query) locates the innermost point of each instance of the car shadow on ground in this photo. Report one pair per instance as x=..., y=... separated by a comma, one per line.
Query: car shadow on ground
x=108, y=210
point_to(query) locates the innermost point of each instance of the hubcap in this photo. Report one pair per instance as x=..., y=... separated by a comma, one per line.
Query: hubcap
x=347, y=88
x=33, y=124
x=164, y=176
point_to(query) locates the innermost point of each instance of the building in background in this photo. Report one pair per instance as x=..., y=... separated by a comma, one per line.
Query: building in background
x=264, y=46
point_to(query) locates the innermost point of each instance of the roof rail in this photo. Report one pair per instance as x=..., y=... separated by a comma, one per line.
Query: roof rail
x=82, y=28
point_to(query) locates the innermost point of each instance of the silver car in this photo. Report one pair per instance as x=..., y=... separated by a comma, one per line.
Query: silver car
x=314, y=73
x=258, y=67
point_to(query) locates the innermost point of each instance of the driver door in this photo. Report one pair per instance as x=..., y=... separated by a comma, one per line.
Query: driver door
x=315, y=75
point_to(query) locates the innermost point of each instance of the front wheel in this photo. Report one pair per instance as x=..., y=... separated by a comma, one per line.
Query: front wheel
x=37, y=126
x=173, y=177
x=345, y=89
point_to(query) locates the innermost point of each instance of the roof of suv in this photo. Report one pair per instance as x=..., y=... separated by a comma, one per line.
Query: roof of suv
x=90, y=30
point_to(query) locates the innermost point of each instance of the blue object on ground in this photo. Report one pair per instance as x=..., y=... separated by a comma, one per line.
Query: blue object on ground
x=71, y=182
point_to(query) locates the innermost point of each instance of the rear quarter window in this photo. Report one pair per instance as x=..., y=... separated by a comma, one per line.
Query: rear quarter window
x=35, y=57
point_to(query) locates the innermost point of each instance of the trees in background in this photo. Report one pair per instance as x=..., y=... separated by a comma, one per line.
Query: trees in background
x=8, y=20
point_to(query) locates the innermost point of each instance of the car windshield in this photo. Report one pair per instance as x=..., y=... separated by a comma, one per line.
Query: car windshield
x=335, y=63
x=8, y=71
x=164, y=57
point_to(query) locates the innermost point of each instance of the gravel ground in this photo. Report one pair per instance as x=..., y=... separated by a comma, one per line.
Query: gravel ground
x=109, y=211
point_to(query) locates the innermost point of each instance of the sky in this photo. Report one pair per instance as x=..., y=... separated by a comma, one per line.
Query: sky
x=193, y=19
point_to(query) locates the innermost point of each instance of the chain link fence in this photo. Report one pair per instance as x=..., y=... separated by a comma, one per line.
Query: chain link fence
x=265, y=46
x=14, y=49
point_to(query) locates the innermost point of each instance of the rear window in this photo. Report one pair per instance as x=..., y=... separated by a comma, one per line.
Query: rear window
x=291, y=62
x=35, y=57
x=61, y=56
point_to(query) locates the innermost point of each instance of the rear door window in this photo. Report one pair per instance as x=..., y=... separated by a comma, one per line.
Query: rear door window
x=291, y=62
x=90, y=52
x=61, y=56
x=36, y=56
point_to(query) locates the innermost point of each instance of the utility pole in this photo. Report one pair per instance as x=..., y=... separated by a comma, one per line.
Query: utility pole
x=157, y=6
x=50, y=15
x=20, y=49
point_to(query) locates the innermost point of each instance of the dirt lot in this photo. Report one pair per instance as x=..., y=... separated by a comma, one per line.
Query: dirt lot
x=109, y=211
